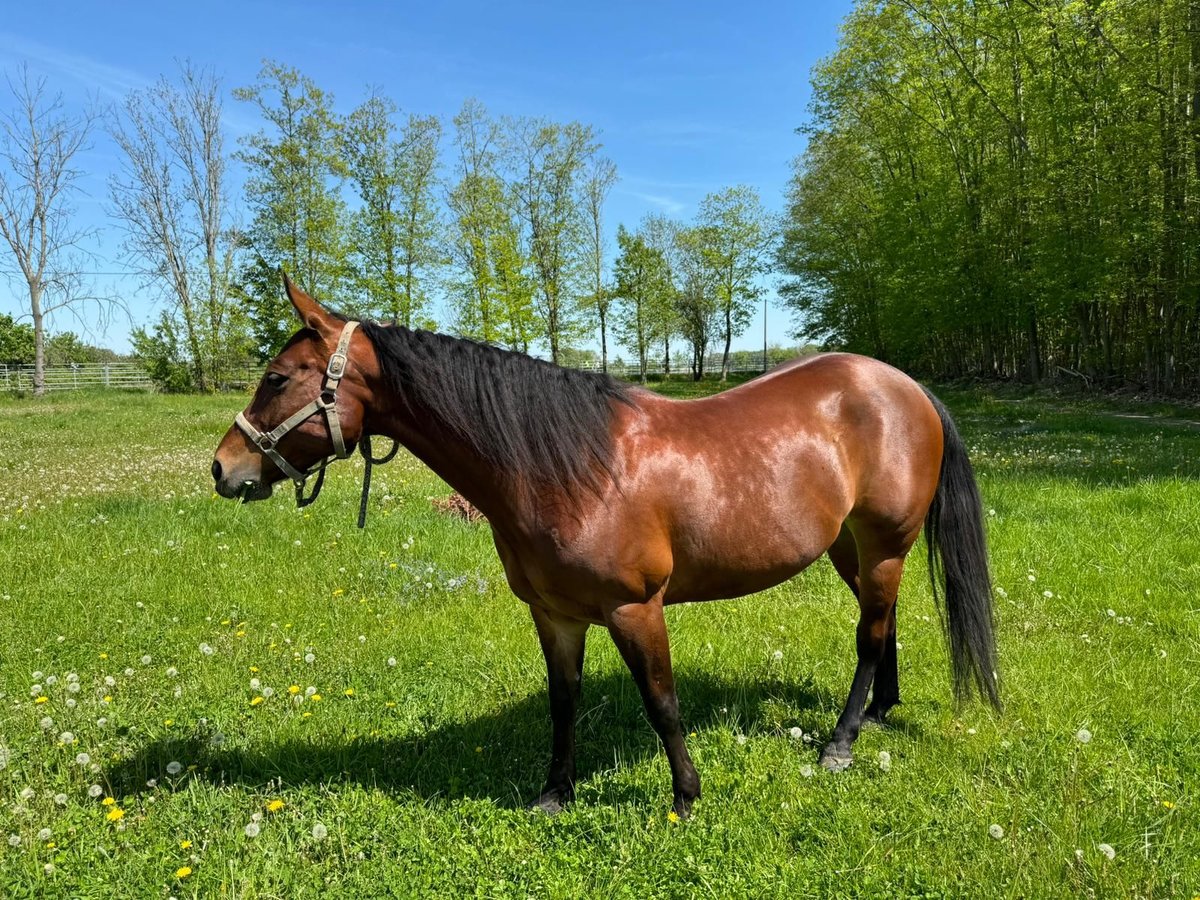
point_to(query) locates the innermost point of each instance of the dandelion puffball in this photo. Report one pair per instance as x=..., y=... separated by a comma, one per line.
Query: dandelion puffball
x=996, y=831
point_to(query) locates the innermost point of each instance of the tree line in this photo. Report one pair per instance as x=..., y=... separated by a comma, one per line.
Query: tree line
x=1006, y=189
x=495, y=222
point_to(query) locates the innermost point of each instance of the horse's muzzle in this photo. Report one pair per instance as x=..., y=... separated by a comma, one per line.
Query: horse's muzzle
x=246, y=491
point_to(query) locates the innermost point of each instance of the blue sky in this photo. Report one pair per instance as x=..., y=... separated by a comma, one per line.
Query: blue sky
x=688, y=97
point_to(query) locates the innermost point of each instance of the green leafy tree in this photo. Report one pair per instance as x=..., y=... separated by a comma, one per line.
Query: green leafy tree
x=66, y=347
x=491, y=290
x=696, y=306
x=294, y=194
x=735, y=235
x=1008, y=190
x=160, y=353
x=661, y=233
x=550, y=160
x=644, y=295
x=16, y=341
x=597, y=184
x=397, y=229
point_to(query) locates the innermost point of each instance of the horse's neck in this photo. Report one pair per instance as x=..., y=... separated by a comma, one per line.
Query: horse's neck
x=454, y=461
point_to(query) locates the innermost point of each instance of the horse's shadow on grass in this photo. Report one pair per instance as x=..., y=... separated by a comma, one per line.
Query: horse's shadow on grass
x=500, y=756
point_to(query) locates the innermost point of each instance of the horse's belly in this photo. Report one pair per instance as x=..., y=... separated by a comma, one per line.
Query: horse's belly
x=716, y=570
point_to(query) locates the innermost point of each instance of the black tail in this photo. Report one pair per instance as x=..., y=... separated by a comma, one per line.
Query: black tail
x=958, y=559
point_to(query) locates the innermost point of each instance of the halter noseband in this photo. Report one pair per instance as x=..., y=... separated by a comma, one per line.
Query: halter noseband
x=326, y=403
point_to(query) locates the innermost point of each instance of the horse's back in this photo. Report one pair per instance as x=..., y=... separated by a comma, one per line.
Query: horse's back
x=742, y=490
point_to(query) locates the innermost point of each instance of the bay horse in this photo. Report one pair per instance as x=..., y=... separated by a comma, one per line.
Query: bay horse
x=608, y=502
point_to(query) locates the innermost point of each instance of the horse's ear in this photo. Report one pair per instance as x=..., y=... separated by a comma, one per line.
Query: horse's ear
x=310, y=311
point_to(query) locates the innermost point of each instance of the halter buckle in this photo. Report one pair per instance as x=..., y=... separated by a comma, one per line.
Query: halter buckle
x=336, y=367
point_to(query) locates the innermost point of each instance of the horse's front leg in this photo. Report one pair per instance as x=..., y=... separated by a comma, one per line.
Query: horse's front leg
x=640, y=633
x=562, y=643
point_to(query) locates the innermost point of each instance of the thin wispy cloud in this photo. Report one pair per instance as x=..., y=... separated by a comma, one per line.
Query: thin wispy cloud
x=110, y=80
x=669, y=205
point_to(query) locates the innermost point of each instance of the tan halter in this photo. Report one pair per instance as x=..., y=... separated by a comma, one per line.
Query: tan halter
x=326, y=403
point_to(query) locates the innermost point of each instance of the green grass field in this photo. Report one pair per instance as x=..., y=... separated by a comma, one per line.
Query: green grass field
x=204, y=699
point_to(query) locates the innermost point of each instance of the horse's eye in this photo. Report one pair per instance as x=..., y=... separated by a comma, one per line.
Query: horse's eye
x=275, y=380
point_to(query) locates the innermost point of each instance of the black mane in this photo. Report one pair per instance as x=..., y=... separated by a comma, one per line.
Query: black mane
x=536, y=422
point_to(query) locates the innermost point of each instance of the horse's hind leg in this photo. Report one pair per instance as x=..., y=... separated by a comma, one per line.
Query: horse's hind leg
x=640, y=633
x=885, y=693
x=562, y=643
x=878, y=586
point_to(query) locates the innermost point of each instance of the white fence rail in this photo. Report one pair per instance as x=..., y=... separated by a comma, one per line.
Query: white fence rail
x=740, y=363
x=126, y=375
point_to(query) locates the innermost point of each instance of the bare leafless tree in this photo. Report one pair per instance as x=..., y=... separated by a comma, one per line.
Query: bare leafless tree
x=170, y=194
x=39, y=141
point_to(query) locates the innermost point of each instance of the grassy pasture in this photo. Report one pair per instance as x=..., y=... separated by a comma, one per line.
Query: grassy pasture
x=365, y=712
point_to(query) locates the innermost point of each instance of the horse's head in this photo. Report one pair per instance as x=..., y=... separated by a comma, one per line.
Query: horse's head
x=308, y=407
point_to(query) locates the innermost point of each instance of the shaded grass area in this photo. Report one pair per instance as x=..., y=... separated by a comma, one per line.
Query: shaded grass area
x=431, y=730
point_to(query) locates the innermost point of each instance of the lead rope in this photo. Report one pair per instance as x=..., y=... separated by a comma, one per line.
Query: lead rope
x=364, y=447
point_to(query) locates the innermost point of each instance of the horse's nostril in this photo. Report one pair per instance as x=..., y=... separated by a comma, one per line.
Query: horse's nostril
x=216, y=470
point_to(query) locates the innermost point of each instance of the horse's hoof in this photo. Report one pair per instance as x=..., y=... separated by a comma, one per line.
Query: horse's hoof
x=548, y=804
x=682, y=807
x=835, y=761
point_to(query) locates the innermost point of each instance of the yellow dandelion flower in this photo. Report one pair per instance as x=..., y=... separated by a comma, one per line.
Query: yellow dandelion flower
x=104, y=656
x=349, y=692
x=390, y=704
x=315, y=698
x=185, y=845
x=337, y=592
x=306, y=715
x=108, y=698
x=51, y=845
x=672, y=816
x=254, y=670
x=109, y=801
x=42, y=699
x=1168, y=804
x=168, y=722
x=275, y=806
x=116, y=814
x=183, y=871
x=224, y=621
x=240, y=634
x=256, y=701
x=294, y=689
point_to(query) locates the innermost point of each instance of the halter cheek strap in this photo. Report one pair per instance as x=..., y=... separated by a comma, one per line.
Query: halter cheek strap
x=326, y=404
